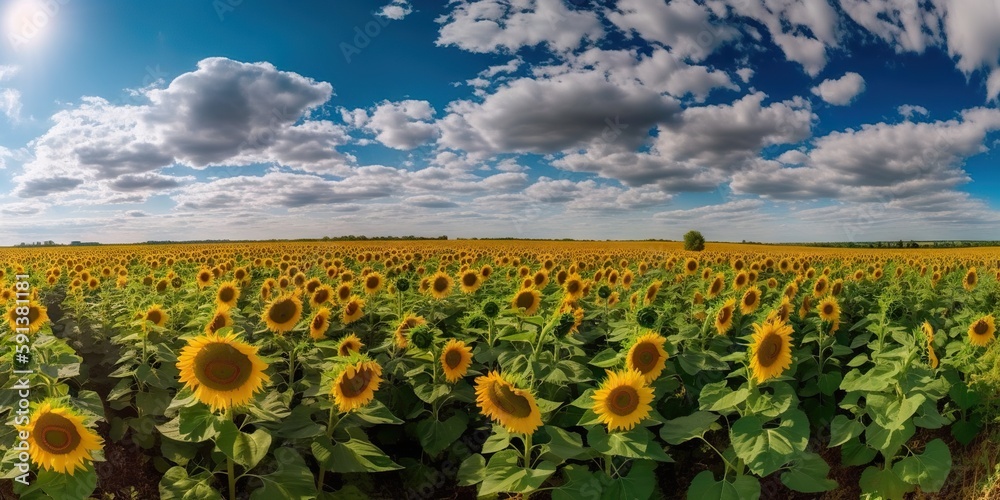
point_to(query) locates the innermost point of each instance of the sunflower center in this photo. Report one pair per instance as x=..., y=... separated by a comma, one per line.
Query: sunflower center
x=321, y=296
x=750, y=299
x=351, y=308
x=981, y=328
x=740, y=280
x=440, y=284
x=33, y=313
x=222, y=367
x=645, y=357
x=573, y=287
x=347, y=347
x=344, y=292
x=828, y=309
x=218, y=322
x=504, y=398
x=716, y=287
x=282, y=311
x=226, y=294
x=724, y=315
x=355, y=385
x=453, y=358
x=769, y=350
x=318, y=322
x=469, y=279
x=372, y=282
x=525, y=300
x=623, y=401
x=56, y=434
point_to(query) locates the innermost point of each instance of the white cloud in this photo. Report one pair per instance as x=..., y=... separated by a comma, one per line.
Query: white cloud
x=507, y=25
x=10, y=103
x=993, y=85
x=682, y=25
x=401, y=125
x=842, y=91
x=909, y=110
x=7, y=71
x=745, y=74
x=396, y=9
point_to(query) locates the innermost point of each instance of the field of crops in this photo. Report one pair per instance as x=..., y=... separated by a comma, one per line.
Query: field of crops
x=439, y=369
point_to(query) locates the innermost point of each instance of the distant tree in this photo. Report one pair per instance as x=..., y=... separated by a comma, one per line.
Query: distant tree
x=694, y=241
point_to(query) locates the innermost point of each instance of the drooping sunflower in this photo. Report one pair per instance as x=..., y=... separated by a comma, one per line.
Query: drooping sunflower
x=58, y=440
x=319, y=324
x=971, y=278
x=724, y=317
x=623, y=400
x=456, y=358
x=647, y=356
x=527, y=299
x=352, y=310
x=350, y=343
x=651, y=292
x=981, y=331
x=440, y=285
x=750, y=301
x=220, y=320
x=222, y=370
x=409, y=322
x=515, y=409
x=156, y=315
x=470, y=281
x=283, y=312
x=770, y=350
x=227, y=295
x=37, y=315
x=354, y=387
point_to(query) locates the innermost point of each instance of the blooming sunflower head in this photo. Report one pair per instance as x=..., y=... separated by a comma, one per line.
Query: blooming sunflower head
x=750, y=300
x=227, y=294
x=982, y=331
x=623, y=400
x=724, y=317
x=355, y=383
x=440, y=285
x=971, y=278
x=470, y=281
x=456, y=357
x=350, y=343
x=220, y=320
x=283, y=312
x=155, y=315
x=319, y=323
x=353, y=310
x=770, y=350
x=527, y=300
x=58, y=439
x=513, y=408
x=829, y=310
x=647, y=356
x=409, y=322
x=36, y=313
x=221, y=370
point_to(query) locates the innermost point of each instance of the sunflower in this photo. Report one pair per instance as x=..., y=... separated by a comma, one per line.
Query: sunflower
x=971, y=278
x=204, y=278
x=470, y=281
x=283, y=313
x=928, y=331
x=784, y=310
x=33, y=317
x=651, y=291
x=724, y=317
x=321, y=295
x=821, y=286
x=156, y=315
x=515, y=409
x=741, y=280
x=527, y=299
x=750, y=300
x=829, y=310
x=319, y=323
x=352, y=310
x=409, y=322
x=690, y=266
x=981, y=332
x=222, y=371
x=440, y=285
x=350, y=343
x=574, y=286
x=220, y=320
x=227, y=295
x=647, y=356
x=58, y=440
x=354, y=387
x=770, y=350
x=373, y=283
x=717, y=286
x=623, y=400
x=456, y=358
x=344, y=292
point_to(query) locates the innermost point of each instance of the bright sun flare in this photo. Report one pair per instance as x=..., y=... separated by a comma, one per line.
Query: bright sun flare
x=27, y=22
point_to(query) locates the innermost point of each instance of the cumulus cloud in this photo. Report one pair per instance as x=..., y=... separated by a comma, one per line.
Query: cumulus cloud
x=10, y=103
x=396, y=9
x=400, y=125
x=842, y=91
x=507, y=25
x=909, y=110
x=682, y=25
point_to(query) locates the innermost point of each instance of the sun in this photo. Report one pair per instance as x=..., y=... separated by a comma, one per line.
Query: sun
x=28, y=23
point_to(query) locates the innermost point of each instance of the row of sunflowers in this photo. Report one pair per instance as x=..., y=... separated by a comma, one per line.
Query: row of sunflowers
x=582, y=370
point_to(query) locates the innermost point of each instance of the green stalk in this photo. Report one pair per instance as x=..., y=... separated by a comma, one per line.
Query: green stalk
x=526, y=457
x=329, y=432
x=230, y=467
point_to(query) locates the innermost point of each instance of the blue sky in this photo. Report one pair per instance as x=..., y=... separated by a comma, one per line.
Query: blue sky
x=764, y=120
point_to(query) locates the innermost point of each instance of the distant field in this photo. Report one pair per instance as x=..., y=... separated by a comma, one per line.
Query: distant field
x=451, y=369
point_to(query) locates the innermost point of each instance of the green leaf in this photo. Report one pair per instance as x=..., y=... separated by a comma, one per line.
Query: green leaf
x=770, y=405
x=605, y=359
x=472, y=471
x=505, y=474
x=293, y=479
x=499, y=440
x=636, y=443
x=965, y=431
x=435, y=436
x=377, y=413
x=808, y=474
x=579, y=483
x=766, y=449
x=153, y=402
x=682, y=429
x=59, y=486
x=244, y=449
x=888, y=442
x=563, y=445
x=842, y=429
x=705, y=487
x=720, y=398
x=964, y=397
x=829, y=382
x=638, y=483
x=929, y=469
x=354, y=455
x=854, y=452
x=298, y=425
x=883, y=484
x=177, y=485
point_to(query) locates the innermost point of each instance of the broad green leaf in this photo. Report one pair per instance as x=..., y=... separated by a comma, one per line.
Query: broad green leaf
x=579, y=484
x=293, y=479
x=883, y=484
x=719, y=398
x=682, y=429
x=928, y=469
x=563, y=445
x=499, y=440
x=705, y=487
x=854, y=452
x=807, y=474
x=636, y=443
x=177, y=485
x=244, y=449
x=842, y=429
x=354, y=455
x=606, y=358
x=504, y=473
x=435, y=436
x=765, y=449
x=472, y=471
x=638, y=483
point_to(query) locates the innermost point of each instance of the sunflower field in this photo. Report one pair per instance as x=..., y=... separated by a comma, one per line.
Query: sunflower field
x=479, y=369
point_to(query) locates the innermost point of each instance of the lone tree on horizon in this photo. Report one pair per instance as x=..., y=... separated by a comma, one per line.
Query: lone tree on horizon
x=694, y=241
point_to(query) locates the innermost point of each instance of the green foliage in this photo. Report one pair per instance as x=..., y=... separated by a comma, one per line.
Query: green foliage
x=694, y=241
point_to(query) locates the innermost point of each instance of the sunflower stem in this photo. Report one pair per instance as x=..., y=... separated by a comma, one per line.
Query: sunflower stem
x=230, y=467
x=329, y=432
x=608, y=465
x=526, y=457
x=291, y=368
